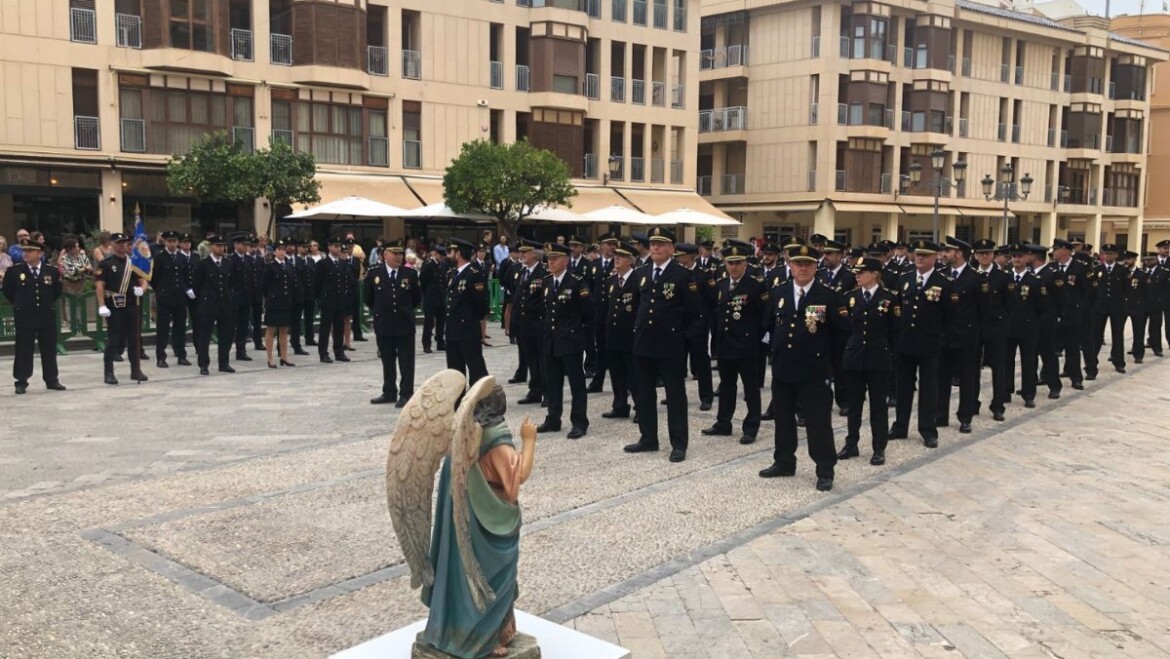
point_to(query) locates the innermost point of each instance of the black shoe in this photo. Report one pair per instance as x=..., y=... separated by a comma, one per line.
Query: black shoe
x=271, y=365
x=1120, y=367
x=1137, y=361
x=1091, y=376
x=955, y=382
x=635, y=419
x=617, y=413
x=942, y=423
x=401, y=403
x=1031, y=403
x=850, y=451
x=21, y=388
x=705, y=404
x=347, y=348
x=930, y=442
x=1158, y=354
x=326, y=359
x=242, y=357
x=341, y=358
x=441, y=347
x=226, y=369
x=747, y=439
x=595, y=387
x=1053, y=395
x=517, y=380
x=528, y=400
x=576, y=433
x=767, y=416
x=110, y=379
x=162, y=363
x=965, y=428
x=204, y=371
x=183, y=362
x=843, y=411
x=800, y=420
x=382, y=400
x=427, y=350
x=117, y=358
x=717, y=431
x=548, y=427
x=824, y=484
x=55, y=386
x=678, y=455
x=360, y=338
x=640, y=447
x=898, y=433
x=1079, y=386
x=878, y=459
x=777, y=470
x=299, y=351
x=997, y=416
x=310, y=343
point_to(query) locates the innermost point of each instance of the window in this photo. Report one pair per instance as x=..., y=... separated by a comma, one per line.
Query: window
x=332, y=133
x=564, y=84
x=174, y=119
x=191, y=25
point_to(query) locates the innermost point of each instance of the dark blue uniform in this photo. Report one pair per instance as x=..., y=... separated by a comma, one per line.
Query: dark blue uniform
x=619, y=307
x=433, y=279
x=993, y=336
x=331, y=289
x=959, y=359
x=215, y=310
x=1025, y=300
x=392, y=296
x=1136, y=295
x=33, y=296
x=918, y=348
x=866, y=362
x=1109, y=308
x=170, y=279
x=568, y=318
x=739, y=312
x=467, y=304
x=1158, y=305
x=528, y=325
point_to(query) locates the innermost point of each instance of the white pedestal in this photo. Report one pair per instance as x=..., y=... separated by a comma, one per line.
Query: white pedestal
x=556, y=642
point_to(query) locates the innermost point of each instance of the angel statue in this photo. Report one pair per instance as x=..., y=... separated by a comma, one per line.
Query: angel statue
x=467, y=564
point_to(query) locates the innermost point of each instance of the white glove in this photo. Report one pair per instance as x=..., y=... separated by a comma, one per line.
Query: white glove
x=190, y=294
x=139, y=291
x=767, y=338
x=104, y=311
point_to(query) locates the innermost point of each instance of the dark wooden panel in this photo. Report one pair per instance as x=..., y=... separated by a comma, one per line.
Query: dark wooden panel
x=242, y=90
x=863, y=170
x=325, y=26
x=375, y=102
x=222, y=18
x=283, y=94
x=152, y=24
x=85, y=92
x=302, y=33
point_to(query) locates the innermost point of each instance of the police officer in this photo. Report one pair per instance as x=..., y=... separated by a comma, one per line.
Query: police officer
x=307, y=267
x=433, y=279
x=467, y=305
x=667, y=306
x=587, y=270
x=568, y=316
x=1157, y=299
x=866, y=360
x=1136, y=293
x=835, y=275
x=707, y=259
x=697, y=344
x=1053, y=316
x=298, y=265
x=603, y=266
x=256, y=303
x=993, y=328
x=119, y=290
x=212, y=283
x=1025, y=299
x=619, y=308
x=959, y=360
x=244, y=287
x=528, y=317
x=1112, y=278
x=331, y=282
x=33, y=288
x=805, y=321
x=1162, y=257
x=1070, y=300
x=277, y=288
x=392, y=293
x=171, y=280
x=739, y=308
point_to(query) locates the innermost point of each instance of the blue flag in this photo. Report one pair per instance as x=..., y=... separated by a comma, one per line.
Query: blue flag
x=141, y=260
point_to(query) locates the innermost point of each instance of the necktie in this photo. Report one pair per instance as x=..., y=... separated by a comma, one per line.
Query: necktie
x=1064, y=268
x=393, y=276
x=1018, y=278
x=867, y=296
x=657, y=272
x=921, y=281
x=36, y=272
x=799, y=296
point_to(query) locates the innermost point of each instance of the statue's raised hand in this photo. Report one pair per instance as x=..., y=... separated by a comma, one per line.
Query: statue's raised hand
x=527, y=430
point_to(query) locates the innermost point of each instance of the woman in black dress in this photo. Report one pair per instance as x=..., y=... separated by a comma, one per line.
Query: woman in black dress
x=277, y=285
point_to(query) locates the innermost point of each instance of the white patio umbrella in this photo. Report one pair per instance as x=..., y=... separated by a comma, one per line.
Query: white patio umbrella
x=621, y=215
x=688, y=216
x=441, y=211
x=349, y=208
x=557, y=215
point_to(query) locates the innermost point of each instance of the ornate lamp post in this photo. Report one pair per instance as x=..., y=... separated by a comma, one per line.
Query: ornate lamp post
x=938, y=183
x=615, y=164
x=1006, y=191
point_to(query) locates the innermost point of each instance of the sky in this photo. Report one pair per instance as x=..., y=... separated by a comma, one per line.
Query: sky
x=1118, y=7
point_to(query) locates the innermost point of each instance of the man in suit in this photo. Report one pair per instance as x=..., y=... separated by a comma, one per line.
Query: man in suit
x=1025, y=299
x=993, y=328
x=392, y=293
x=697, y=343
x=331, y=289
x=739, y=308
x=568, y=316
x=33, y=289
x=587, y=270
x=667, y=306
x=1070, y=299
x=467, y=305
x=1157, y=299
x=171, y=280
x=528, y=317
x=707, y=259
x=618, y=312
x=806, y=320
x=244, y=287
x=603, y=266
x=1053, y=317
x=925, y=293
x=1162, y=262
x=1136, y=296
x=1112, y=278
x=212, y=284
x=433, y=279
x=836, y=276
x=959, y=360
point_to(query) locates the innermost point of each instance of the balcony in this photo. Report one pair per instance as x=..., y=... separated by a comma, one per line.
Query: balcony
x=412, y=64
x=719, y=58
x=412, y=154
x=703, y=185
x=1001, y=131
x=82, y=25
x=658, y=93
x=241, y=45
x=676, y=171
x=377, y=60
x=857, y=115
x=637, y=170
x=1051, y=141
x=1004, y=72
x=660, y=15
x=1119, y=197
x=812, y=180
x=1108, y=144
x=617, y=90
x=618, y=11
x=1015, y=133
x=244, y=138
x=967, y=67
x=962, y=126
x=589, y=167
x=815, y=50
x=1112, y=94
x=285, y=136
x=1083, y=141
x=592, y=86
x=639, y=92
x=522, y=77
x=839, y=183
x=732, y=184
x=1019, y=75
x=133, y=136
x=677, y=97
x=379, y=152
x=916, y=122
x=813, y=111
x=280, y=49
x=1054, y=81
x=497, y=74
x=640, y=12
x=657, y=170
x=129, y=29
x=723, y=119
x=87, y=133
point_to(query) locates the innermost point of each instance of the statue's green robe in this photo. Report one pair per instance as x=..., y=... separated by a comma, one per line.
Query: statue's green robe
x=454, y=625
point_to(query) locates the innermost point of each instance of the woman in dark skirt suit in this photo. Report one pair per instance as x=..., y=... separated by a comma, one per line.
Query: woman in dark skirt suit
x=278, y=286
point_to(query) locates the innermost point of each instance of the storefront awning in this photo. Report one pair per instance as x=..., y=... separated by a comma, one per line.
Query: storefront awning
x=385, y=189
x=929, y=210
x=850, y=207
x=802, y=207
x=994, y=213
x=430, y=189
x=589, y=199
x=657, y=202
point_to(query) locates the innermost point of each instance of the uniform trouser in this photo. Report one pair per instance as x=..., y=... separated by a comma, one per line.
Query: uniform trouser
x=355, y=312
x=840, y=383
x=1156, y=319
x=602, y=361
x=397, y=354
x=221, y=323
x=122, y=334
x=992, y=354
x=621, y=369
x=332, y=323
x=910, y=369
x=295, y=329
x=1117, y=336
x=1137, y=320
x=963, y=363
x=466, y=356
x=171, y=328
x=1088, y=344
x=1068, y=339
x=256, y=308
x=521, y=361
x=877, y=385
x=730, y=372
x=673, y=372
x=45, y=339
x=590, y=348
x=242, y=320
x=815, y=401
x=530, y=354
x=556, y=370
x=1049, y=362
x=309, y=309
x=700, y=359
x=434, y=320
x=1027, y=348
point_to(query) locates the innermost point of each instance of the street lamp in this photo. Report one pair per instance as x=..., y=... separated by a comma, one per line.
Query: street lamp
x=938, y=183
x=615, y=163
x=1008, y=190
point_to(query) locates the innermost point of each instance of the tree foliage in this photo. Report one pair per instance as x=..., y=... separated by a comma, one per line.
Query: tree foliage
x=507, y=181
x=284, y=176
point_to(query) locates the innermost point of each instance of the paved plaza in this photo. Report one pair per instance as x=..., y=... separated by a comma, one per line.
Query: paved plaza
x=244, y=516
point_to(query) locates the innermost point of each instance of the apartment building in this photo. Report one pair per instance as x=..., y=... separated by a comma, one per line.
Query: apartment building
x=98, y=94
x=846, y=118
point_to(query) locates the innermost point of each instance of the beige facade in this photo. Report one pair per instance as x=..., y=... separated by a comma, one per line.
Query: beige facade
x=818, y=117
x=99, y=93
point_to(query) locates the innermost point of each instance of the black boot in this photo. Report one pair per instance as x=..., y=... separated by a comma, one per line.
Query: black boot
x=110, y=379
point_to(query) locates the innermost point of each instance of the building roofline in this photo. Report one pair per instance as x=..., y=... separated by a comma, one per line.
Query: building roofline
x=1129, y=41
x=979, y=8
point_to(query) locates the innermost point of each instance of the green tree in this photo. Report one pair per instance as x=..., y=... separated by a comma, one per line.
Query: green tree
x=284, y=176
x=214, y=169
x=507, y=181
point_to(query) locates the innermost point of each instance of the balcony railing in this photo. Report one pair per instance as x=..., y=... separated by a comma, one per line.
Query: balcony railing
x=1015, y=133
x=676, y=171
x=617, y=90
x=658, y=93
x=244, y=138
x=285, y=136
x=617, y=173
x=1064, y=139
x=1112, y=92
x=843, y=47
x=677, y=97
x=82, y=25
x=242, y=45
x=281, y=51
x=1001, y=131
x=732, y=184
x=839, y=184
x=1119, y=197
x=703, y=185
x=657, y=170
x=592, y=86
x=718, y=58
x=815, y=51
x=1004, y=72
x=680, y=21
x=522, y=74
x=639, y=92
x=637, y=170
x=589, y=167
x=1090, y=141
x=133, y=136
x=129, y=29
x=723, y=119
x=962, y=127
x=1051, y=141
x=618, y=10
x=660, y=15
x=1019, y=75
x=1054, y=81
x=639, y=12
x=884, y=186
x=812, y=180
x=87, y=133
x=412, y=154
x=967, y=67
x=1067, y=82
x=497, y=74
x=412, y=64
x=1108, y=144
x=377, y=60
x=379, y=149
x=813, y=111
x=857, y=115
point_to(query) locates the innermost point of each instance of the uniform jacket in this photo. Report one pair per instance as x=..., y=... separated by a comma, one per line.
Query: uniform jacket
x=1025, y=303
x=1052, y=307
x=924, y=313
x=705, y=292
x=278, y=285
x=842, y=281
x=804, y=337
x=739, y=315
x=1073, y=292
x=170, y=277
x=244, y=281
x=1110, y=289
x=393, y=304
x=213, y=287
x=993, y=285
x=33, y=299
x=774, y=276
x=666, y=309
x=619, y=309
x=528, y=301
x=873, y=328
x=967, y=304
x=1158, y=291
x=111, y=271
x=331, y=284
x=568, y=314
x=1137, y=291
x=467, y=303
x=432, y=277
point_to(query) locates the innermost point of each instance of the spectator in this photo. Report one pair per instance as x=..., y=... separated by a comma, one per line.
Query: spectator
x=376, y=253
x=104, y=249
x=75, y=268
x=315, y=251
x=204, y=247
x=500, y=252
x=5, y=259
x=15, y=252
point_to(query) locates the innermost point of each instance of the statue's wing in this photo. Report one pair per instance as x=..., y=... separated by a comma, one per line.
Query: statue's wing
x=420, y=440
x=465, y=442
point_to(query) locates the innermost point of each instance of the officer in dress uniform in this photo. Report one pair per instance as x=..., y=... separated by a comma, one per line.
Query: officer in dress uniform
x=924, y=293
x=191, y=259
x=433, y=279
x=740, y=305
x=1157, y=297
x=528, y=317
x=603, y=266
x=118, y=291
x=256, y=304
x=587, y=270
x=667, y=305
x=771, y=271
x=1163, y=264
x=298, y=265
x=1025, y=299
x=1136, y=294
x=805, y=321
x=707, y=259
x=966, y=307
x=392, y=293
x=1112, y=279
x=1053, y=316
x=697, y=344
x=244, y=287
x=993, y=329
x=1090, y=262
x=33, y=288
x=212, y=283
x=619, y=307
x=467, y=305
x=171, y=280
x=867, y=358
x=1070, y=297
x=305, y=273
x=277, y=292
x=835, y=275
x=331, y=281
x=568, y=319
x=510, y=277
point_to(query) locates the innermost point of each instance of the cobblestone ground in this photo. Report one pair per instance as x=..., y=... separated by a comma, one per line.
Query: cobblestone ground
x=243, y=516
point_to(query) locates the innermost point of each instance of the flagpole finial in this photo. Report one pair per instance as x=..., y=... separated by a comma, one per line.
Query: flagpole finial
x=137, y=211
